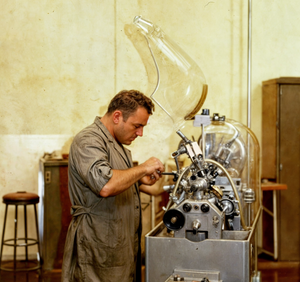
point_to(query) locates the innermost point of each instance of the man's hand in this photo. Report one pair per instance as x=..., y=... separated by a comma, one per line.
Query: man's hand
x=146, y=173
x=148, y=180
x=154, y=168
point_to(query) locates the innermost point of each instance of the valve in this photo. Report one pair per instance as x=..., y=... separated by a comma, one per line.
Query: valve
x=196, y=226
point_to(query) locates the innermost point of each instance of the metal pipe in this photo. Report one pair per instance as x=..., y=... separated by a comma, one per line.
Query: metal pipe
x=152, y=200
x=234, y=191
x=255, y=222
x=203, y=141
x=249, y=89
x=249, y=63
x=15, y=238
x=275, y=224
x=176, y=187
x=38, y=237
x=25, y=233
x=231, y=182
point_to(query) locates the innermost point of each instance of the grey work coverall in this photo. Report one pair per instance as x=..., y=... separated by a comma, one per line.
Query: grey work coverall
x=103, y=240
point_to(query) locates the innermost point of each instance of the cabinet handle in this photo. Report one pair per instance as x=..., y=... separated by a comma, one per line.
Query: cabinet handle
x=48, y=176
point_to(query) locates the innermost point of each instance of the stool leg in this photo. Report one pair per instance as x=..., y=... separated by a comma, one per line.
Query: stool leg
x=3, y=232
x=275, y=225
x=37, y=234
x=15, y=238
x=25, y=229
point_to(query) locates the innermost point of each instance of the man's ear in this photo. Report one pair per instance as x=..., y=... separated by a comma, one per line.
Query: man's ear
x=117, y=117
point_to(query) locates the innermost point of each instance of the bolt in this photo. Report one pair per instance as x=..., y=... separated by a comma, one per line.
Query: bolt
x=215, y=220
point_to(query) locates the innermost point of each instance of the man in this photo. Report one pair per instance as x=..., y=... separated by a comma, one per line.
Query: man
x=103, y=241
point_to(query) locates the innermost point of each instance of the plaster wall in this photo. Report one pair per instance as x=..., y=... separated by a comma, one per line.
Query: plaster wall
x=62, y=61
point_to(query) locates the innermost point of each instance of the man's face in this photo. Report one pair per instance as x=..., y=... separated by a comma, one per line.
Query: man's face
x=126, y=132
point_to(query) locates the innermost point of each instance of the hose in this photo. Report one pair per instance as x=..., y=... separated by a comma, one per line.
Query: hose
x=234, y=191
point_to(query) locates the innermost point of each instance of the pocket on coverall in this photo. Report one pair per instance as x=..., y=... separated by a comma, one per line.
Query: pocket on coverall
x=103, y=245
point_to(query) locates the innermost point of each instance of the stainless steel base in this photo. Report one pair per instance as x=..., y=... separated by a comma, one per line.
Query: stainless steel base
x=194, y=275
x=167, y=256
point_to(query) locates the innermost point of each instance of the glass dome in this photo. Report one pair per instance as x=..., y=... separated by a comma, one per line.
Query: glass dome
x=250, y=176
x=225, y=145
x=178, y=85
x=236, y=148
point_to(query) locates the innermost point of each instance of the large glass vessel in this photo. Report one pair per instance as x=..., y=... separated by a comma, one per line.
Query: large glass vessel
x=236, y=148
x=178, y=84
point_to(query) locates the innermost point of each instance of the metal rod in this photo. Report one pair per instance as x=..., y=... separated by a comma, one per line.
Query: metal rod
x=203, y=141
x=26, y=233
x=249, y=90
x=275, y=224
x=2, y=242
x=37, y=236
x=152, y=211
x=15, y=238
x=249, y=63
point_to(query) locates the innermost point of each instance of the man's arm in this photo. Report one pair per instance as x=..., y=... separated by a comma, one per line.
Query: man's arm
x=153, y=190
x=121, y=180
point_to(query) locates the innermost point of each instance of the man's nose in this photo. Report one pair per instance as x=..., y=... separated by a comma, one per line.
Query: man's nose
x=139, y=131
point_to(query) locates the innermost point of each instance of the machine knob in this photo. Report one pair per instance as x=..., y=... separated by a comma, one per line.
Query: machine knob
x=187, y=207
x=174, y=219
x=228, y=206
x=205, y=208
x=196, y=225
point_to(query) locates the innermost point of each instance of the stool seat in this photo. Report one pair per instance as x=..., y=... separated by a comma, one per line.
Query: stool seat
x=20, y=198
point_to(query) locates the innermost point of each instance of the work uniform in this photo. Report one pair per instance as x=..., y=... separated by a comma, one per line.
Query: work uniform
x=103, y=240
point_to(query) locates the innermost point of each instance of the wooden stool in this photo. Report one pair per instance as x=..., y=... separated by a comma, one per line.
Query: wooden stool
x=25, y=199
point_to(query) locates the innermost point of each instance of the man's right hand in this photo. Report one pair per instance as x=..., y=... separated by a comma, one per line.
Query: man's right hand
x=146, y=173
x=154, y=168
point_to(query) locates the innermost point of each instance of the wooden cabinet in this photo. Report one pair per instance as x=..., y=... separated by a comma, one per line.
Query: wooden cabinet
x=54, y=211
x=281, y=157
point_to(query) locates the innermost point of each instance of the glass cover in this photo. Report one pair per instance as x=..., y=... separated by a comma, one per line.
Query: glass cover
x=235, y=147
x=251, y=173
x=225, y=145
x=180, y=88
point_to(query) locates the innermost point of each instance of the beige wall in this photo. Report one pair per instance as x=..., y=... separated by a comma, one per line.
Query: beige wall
x=62, y=61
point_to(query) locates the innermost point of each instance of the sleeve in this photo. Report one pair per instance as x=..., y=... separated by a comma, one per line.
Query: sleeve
x=90, y=160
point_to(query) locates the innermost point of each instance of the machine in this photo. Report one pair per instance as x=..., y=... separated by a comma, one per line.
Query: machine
x=208, y=232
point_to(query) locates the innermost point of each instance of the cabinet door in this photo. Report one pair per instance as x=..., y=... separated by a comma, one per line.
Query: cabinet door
x=289, y=172
x=269, y=130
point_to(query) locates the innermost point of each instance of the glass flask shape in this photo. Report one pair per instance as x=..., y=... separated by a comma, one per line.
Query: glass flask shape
x=224, y=144
x=250, y=176
x=236, y=148
x=180, y=88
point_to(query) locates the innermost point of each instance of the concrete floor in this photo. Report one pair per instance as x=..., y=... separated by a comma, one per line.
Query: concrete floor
x=271, y=271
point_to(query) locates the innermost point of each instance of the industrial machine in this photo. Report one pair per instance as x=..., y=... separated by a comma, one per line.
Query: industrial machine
x=208, y=232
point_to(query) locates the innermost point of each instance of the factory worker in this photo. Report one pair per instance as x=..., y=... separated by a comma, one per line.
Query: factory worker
x=103, y=240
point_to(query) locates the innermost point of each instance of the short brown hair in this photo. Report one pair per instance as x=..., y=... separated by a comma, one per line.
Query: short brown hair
x=128, y=101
